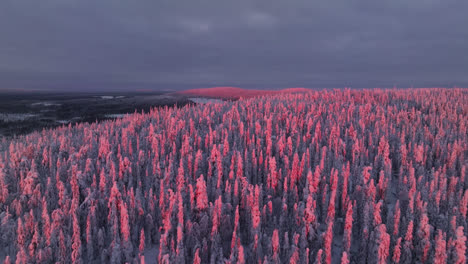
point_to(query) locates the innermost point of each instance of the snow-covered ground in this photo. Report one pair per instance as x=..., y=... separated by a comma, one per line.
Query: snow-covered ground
x=111, y=97
x=63, y=121
x=116, y=115
x=13, y=117
x=201, y=100
x=45, y=104
x=151, y=255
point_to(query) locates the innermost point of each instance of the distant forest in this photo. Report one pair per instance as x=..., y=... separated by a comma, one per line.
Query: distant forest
x=333, y=176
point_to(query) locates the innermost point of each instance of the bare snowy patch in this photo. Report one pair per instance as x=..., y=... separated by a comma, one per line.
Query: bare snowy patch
x=107, y=97
x=115, y=115
x=45, y=104
x=16, y=117
x=200, y=100
x=64, y=122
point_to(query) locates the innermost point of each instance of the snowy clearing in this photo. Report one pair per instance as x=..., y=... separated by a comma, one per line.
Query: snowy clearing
x=200, y=100
x=15, y=117
x=115, y=115
x=45, y=104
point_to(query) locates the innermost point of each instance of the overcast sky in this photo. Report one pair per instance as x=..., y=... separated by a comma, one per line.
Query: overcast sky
x=177, y=44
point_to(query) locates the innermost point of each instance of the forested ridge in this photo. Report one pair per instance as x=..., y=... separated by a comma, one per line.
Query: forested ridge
x=332, y=176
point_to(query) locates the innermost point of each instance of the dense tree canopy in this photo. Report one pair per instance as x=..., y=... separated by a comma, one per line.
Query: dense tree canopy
x=350, y=176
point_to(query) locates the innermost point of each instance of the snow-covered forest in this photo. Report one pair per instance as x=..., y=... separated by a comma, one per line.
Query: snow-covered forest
x=333, y=176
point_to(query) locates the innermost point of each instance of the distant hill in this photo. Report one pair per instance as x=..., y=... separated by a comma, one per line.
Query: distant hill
x=235, y=92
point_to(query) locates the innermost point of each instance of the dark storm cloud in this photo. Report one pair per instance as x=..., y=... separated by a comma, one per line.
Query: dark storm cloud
x=119, y=44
